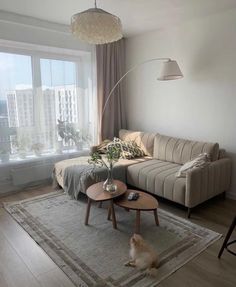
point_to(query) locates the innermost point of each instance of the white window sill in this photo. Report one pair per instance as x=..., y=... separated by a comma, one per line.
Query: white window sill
x=50, y=157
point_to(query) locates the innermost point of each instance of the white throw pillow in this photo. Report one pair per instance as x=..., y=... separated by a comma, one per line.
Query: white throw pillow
x=201, y=161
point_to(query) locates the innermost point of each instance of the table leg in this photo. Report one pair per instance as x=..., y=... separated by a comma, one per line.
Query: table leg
x=227, y=237
x=137, y=224
x=156, y=217
x=109, y=213
x=87, y=212
x=100, y=204
x=113, y=215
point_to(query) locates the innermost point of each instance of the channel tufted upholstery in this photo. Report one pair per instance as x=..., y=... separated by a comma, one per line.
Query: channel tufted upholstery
x=181, y=150
x=155, y=173
x=158, y=177
x=204, y=183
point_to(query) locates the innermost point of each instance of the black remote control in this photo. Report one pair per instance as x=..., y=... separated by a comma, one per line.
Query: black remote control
x=133, y=196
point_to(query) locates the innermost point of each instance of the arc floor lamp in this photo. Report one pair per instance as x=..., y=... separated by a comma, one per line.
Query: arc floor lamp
x=170, y=71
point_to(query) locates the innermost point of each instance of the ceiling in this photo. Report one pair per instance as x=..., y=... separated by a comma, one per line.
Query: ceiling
x=137, y=16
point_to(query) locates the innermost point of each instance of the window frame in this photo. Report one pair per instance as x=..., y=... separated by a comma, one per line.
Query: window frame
x=37, y=52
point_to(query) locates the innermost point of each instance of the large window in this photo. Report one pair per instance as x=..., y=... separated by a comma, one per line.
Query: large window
x=46, y=104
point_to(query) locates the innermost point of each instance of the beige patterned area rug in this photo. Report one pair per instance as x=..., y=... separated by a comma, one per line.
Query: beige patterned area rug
x=94, y=255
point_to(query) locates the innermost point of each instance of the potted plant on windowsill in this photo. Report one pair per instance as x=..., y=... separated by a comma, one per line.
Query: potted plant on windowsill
x=22, y=147
x=67, y=131
x=108, y=161
x=4, y=155
x=37, y=148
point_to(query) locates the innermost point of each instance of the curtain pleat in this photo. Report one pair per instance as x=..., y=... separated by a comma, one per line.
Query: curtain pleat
x=110, y=68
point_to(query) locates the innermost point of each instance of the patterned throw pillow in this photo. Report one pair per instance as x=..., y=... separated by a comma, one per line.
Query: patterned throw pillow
x=103, y=147
x=128, y=149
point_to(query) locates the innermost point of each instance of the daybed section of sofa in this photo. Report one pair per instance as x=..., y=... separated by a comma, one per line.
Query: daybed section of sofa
x=158, y=176
x=67, y=172
x=73, y=168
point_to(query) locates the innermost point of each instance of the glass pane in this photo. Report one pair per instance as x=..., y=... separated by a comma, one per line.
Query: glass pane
x=60, y=90
x=45, y=106
x=16, y=103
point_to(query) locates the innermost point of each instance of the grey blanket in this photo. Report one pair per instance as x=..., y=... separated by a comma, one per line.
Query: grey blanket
x=78, y=178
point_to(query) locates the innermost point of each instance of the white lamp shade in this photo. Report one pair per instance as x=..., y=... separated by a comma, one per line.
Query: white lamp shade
x=170, y=71
x=96, y=26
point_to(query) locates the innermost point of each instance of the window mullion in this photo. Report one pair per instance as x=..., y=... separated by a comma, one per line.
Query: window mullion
x=36, y=77
x=38, y=96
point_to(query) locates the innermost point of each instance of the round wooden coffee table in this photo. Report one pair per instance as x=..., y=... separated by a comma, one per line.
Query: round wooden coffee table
x=96, y=193
x=145, y=202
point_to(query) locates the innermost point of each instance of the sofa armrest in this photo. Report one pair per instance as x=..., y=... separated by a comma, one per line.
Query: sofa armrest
x=204, y=183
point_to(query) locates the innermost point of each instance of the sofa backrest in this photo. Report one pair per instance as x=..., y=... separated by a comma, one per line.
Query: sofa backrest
x=144, y=140
x=180, y=150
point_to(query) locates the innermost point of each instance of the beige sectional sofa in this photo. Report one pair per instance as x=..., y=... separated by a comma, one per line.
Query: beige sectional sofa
x=158, y=175
x=156, y=172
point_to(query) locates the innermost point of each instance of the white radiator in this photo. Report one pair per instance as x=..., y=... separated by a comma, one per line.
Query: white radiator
x=29, y=174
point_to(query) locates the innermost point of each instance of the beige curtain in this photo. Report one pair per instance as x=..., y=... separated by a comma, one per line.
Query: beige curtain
x=110, y=68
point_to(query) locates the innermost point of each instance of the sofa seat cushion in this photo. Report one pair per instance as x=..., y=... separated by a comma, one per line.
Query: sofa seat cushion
x=61, y=166
x=144, y=140
x=158, y=177
x=180, y=151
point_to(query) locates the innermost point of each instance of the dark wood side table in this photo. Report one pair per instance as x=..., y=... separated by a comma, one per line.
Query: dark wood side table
x=145, y=202
x=226, y=242
x=96, y=193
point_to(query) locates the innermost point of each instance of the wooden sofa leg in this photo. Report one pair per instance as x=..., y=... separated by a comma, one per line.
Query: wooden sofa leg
x=189, y=212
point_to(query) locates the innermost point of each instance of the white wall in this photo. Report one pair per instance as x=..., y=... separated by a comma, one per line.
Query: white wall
x=202, y=105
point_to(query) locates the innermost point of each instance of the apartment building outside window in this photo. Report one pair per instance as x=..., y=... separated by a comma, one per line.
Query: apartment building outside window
x=42, y=104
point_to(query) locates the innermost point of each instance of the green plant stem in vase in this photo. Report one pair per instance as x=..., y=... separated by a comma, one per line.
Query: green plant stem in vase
x=109, y=184
x=112, y=155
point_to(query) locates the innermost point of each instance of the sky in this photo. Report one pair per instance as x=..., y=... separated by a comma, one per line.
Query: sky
x=14, y=70
x=16, y=73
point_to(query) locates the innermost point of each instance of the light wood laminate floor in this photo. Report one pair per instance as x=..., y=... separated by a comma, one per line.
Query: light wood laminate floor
x=24, y=264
